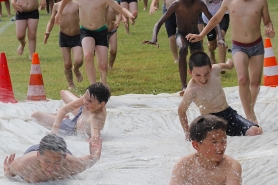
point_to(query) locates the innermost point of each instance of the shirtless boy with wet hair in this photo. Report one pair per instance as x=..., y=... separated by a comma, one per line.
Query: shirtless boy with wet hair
x=27, y=18
x=209, y=164
x=170, y=25
x=247, y=45
x=89, y=113
x=205, y=90
x=51, y=160
x=187, y=14
x=94, y=34
x=69, y=39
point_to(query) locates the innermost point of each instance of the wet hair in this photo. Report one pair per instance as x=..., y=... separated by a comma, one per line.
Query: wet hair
x=199, y=59
x=203, y=124
x=53, y=143
x=99, y=92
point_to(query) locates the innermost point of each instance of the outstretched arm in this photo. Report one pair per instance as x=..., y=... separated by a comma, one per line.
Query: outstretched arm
x=79, y=164
x=9, y=172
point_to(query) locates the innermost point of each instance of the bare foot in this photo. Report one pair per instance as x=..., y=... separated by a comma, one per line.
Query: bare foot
x=71, y=87
x=20, y=49
x=78, y=75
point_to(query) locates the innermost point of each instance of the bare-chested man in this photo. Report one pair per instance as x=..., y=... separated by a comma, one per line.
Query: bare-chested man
x=247, y=47
x=51, y=160
x=89, y=113
x=187, y=14
x=170, y=25
x=27, y=18
x=94, y=34
x=69, y=39
x=209, y=165
x=205, y=90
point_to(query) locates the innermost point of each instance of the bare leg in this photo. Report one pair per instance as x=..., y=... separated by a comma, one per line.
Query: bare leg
x=78, y=61
x=145, y=4
x=255, y=75
x=253, y=131
x=200, y=28
x=68, y=67
x=21, y=26
x=102, y=58
x=88, y=45
x=7, y=4
x=211, y=47
x=112, y=49
x=173, y=47
x=68, y=97
x=222, y=50
x=44, y=119
x=32, y=36
x=241, y=62
x=126, y=6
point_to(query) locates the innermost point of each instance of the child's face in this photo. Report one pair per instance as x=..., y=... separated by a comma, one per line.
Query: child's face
x=213, y=146
x=90, y=103
x=200, y=75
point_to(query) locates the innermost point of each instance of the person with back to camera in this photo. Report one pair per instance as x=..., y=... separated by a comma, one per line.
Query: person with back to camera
x=51, y=160
x=205, y=90
x=209, y=165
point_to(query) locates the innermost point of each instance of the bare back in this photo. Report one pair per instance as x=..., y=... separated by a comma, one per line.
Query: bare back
x=246, y=22
x=28, y=5
x=210, y=98
x=70, y=18
x=188, y=171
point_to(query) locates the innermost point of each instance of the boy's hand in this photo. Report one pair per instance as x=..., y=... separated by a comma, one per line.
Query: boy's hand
x=193, y=37
x=133, y=17
x=7, y=162
x=95, y=146
x=152, y=10
x=46, y=35
x=153, y=42
x=116, y=24
x=222, y=43
x=269, y=32
x=17, y=6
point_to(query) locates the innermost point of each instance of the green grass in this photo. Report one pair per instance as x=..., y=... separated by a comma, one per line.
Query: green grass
x=138, y=69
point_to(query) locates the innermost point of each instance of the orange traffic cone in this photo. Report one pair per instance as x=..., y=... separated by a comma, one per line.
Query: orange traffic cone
x=270, y=65
x=36, y=88
x=6, y=89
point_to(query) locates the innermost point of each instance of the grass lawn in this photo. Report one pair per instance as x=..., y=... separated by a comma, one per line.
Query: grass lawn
x=138, y=69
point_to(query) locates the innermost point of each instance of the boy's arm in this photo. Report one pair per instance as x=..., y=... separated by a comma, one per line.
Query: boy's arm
x=211, y=24
x=269, y=29
x=157, y=26
x=234, y=174
x=62, y=113
x=60, y=10
x=51, y=22
x=42, y=4
x=8, y=170
x=184, y=105
x=16, y=6
x=226, y=66
x=79, y=164
x=178, y=174
x=153, y=6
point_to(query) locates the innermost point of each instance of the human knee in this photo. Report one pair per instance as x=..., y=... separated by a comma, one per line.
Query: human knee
x=88, y=56
x=35, y=115
x=255, y=85
x=103, y=67
x=243, y=80
x=113, y=51
x=32, y=36
x=63, y=93
x=68, y=65
x=253, y=131
x=211, y=47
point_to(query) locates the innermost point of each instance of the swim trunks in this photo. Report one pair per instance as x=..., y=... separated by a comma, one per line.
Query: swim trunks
x=252, y=49
x=110, y=33
x=35, y=148
x=236, y=124
x=170, y=23
x=27, y=15
x=69, y=41
x=100, y=35
x=193, y=45
x=129, y=1
x=224, y=25
x=68, y=126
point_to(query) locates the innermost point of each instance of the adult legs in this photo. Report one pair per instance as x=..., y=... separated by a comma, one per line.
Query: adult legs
x=8, y=7
x=211, y=47
x=78, y=61
x=88, y=45
x=222, y=50
x=102, y=59
x=145, y=4
x=32, y=36
x=112, y=49
x=68, y=66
